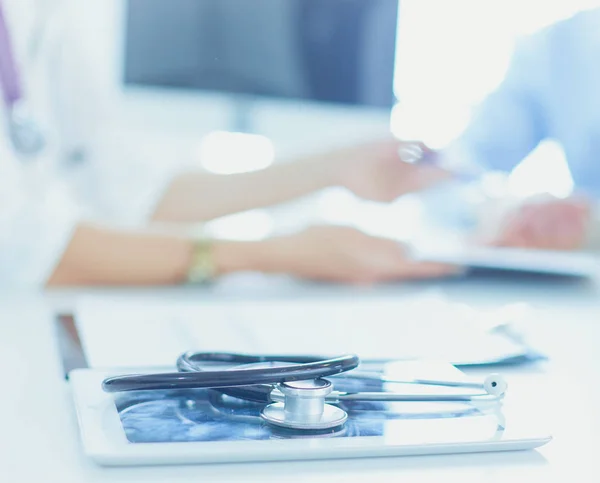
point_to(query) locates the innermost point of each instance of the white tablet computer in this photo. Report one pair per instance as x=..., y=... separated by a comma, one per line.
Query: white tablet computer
x=516, y=260
x=202, y=426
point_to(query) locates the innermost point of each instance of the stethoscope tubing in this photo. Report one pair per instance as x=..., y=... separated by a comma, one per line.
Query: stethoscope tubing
x=10, y=81
x=260, y=384
x=192, y=378
x=26, y=136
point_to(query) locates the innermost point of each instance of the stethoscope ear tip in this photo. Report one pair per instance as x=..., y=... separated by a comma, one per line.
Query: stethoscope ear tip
x=495, y=385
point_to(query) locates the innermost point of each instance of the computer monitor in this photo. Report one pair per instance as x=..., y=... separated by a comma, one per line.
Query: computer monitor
x=327, y=51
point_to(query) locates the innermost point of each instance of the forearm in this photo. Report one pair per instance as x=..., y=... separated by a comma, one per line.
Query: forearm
x=195, y=197
x=102, y=256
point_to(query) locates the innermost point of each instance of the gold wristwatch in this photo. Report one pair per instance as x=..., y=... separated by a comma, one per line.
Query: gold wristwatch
x=202, y=267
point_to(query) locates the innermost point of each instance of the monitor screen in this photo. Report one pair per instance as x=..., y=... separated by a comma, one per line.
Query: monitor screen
x=332, y=51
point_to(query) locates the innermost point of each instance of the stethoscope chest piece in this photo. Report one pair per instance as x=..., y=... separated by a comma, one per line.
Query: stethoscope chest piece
x=303, y=407
x=25, y=134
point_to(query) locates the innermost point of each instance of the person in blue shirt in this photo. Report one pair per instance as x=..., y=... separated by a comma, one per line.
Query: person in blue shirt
x=551, y=91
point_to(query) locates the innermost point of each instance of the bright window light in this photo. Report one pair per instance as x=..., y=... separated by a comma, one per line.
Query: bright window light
x=224, y=152
x=544, y=171
x=451, y=55
x=247, y=226
x=399, y=220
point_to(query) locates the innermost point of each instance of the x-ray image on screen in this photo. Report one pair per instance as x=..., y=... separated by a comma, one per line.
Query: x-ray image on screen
x=336, y=51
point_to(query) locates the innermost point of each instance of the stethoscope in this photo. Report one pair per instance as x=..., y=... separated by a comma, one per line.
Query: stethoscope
x=293, y=388
x=25, y=134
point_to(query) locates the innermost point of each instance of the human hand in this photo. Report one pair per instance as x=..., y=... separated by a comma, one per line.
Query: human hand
x=548, y=224
x=346, y=255
x=386, y=169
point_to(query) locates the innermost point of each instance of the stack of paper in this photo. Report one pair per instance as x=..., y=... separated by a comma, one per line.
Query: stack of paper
x=141, y=332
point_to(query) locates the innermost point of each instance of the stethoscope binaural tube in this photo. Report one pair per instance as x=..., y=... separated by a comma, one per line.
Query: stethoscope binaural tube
x=294, y=390
x=250, y=380
x=491, y=385
x=259, y=384
x=196, y=379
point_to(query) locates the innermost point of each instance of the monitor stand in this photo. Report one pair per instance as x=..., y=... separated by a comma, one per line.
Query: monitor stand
x=240, y=147
x=243, y=115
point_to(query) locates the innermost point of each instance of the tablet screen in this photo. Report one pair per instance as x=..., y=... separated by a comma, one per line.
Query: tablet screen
x=200, y=415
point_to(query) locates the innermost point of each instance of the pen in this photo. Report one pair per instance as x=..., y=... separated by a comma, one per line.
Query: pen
x=451, y=162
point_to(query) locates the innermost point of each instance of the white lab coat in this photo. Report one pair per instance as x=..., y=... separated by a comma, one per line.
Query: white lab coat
x=42, y=201
x=36, y=215
x=36, y=221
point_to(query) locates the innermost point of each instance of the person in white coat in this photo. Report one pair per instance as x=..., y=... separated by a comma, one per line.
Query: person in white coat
x=49, y=235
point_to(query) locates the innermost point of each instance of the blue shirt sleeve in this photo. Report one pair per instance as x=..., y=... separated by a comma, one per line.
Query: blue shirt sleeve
x=510, y=122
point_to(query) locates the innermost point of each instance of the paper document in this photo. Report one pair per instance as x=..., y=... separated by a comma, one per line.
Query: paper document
x=141, y=332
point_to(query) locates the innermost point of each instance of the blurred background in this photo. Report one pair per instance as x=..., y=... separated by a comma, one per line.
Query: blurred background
x=236, y=85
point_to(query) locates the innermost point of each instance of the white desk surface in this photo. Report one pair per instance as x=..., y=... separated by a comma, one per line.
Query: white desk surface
x=39, y=439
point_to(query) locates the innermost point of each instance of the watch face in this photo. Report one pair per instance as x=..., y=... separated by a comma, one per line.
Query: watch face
x=202, y=267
